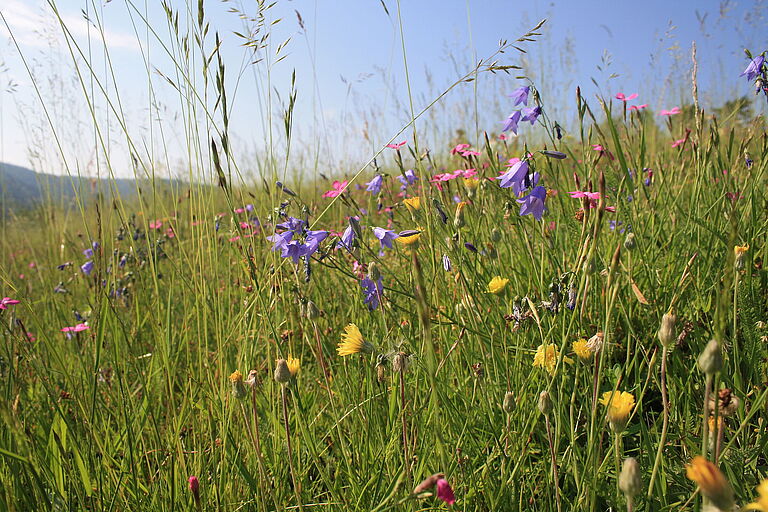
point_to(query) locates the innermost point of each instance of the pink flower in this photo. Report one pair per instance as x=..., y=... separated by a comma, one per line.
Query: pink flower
x=470, y=153
x=155, y=224
x=194, y=487
x=338, y=188
x=598, y=147
x=77, y=328
x=169, y=233
x=578, y=194
x=459, y=148
x=444, y=491
x=502, y=137
x=675, y=110
x=638, y=107
x=620, y=96
x=397, y=146
x=7, y=301
x=677, y=142
x=239, y=210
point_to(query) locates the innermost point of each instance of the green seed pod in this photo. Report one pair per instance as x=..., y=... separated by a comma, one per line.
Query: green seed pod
x=666, y=332
x=711, y=359
x=282, y=372
x=630, y=482
x=545, y=403
x=509, y=402
x=629, y=241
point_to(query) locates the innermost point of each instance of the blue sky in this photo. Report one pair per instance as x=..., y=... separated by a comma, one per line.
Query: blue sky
x=349, y=67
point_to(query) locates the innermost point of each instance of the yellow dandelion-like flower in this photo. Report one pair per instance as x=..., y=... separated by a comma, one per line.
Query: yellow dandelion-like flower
x=497, y=285
x=620, y=405
x=352, y=342
x=711, y=481
x=762, y=502
x=294, y=365
x=546, y=357
x=413, y=203
x=471, y=183
x=581, y=349
x=236, y=377
x=409, y=239
x=739, y=250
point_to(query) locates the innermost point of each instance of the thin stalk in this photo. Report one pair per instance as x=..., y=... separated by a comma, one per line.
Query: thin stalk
x=554, y=462
x=296, y=487
x=665, y=424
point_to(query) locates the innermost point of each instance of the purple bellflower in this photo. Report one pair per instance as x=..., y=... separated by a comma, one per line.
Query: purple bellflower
x=385, y=236
x=755, y=68
x=87, y=268
x=531, y=114
x=511, y=122
x=374, y=186
x=372, y=292
x=409, y=179
x=520, y=95
x=533, y=203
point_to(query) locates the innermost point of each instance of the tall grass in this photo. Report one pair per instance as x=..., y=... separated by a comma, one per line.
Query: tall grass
x=185, y=290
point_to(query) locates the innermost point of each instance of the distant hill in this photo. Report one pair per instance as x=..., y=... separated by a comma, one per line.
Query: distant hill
x=22, y=188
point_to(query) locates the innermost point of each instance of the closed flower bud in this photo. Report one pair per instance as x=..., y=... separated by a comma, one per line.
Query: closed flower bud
x=711, y=359
x=238, y=387
x=310, y=310
x=738, y=253
x=667, y=330
x=400, y=362
x=495, y=234
x=630, y=482
x=509, y=402
x=545, y=403
x=458, y=218
x=374, y=274
x=282, y=372
x=629, y=241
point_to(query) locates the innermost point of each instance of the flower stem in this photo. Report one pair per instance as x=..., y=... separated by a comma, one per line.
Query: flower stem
x=296, y=488
x=665, y=423
x=554, y=462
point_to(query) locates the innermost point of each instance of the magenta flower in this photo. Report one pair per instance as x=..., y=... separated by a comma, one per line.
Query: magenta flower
x=444, y=491
x=157, y=224
x=338, y=188
x=520, y=95
x=194, y=487
x=7, y=301
x=578, y=194
x=622, y=97
x=677, y=142
x=675, y=110
x=78, y=328
x=397, y=146
x=638, y=107
x=460, y=148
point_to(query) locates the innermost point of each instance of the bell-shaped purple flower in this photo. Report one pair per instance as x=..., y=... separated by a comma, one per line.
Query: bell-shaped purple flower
x=515, y=176
x=374, y=186
x=313, y=240
x=385, y=236
x=520, y=95
x=86, y=268
x=531, y=114
x=533, y=203
x=755, y=68
x=511, y=122
x=409, y=179
x=372, y=292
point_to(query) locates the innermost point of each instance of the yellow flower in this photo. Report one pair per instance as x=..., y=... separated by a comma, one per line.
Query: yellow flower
x=236, y=377
x=739, y=250
x=546, y=357
x=497, y=285
x=620, y=405
x=471, y=183
x=762, y=502
x=581, y=349
x=711, y=481
x=352, y=342
x=413, y=203
x=408, y=239
x=294, y=365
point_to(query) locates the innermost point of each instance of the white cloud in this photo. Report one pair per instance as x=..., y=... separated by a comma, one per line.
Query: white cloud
x=27, y=25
